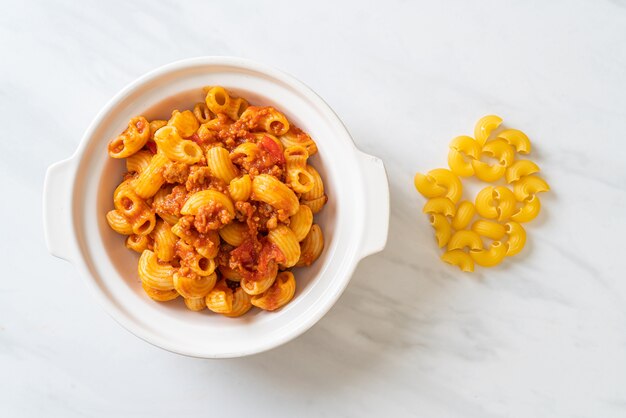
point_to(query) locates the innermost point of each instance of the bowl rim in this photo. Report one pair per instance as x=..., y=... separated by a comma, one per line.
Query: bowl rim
x=311, y=316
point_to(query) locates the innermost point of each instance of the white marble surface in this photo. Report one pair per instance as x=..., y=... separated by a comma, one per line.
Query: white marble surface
x=542, y=336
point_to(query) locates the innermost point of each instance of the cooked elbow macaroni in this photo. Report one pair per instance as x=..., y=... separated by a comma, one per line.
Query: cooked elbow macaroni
x=500, y=209
x=220, y=199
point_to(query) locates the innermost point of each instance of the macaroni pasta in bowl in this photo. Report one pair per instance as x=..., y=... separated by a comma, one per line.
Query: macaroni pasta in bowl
x=220, y=201
x=78, y=193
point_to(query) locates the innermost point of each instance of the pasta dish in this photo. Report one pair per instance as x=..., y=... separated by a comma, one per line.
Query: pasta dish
x=219, y=200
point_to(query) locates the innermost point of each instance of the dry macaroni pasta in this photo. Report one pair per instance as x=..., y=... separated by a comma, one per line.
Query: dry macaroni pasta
x=497, y=233
x=219, y=200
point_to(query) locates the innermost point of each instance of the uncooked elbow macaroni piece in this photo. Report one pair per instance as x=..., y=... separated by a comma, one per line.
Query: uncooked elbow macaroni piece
x=495, y=203
x=467, y=145
x=497, y=149
x=279, y=294
x=485, y=204
x=439, y=183
x=440, y=205
x=500, y=209
x=269, y=189
x=489, y=229
x=517, y=238
x=517, y=139
x=464, y=214
x=460, y=259
x=287, y=242
x=218, y=161
x=505, y=202
x=529, y=211
x=486, y=172
x=448, y=180
x=465, y=239
x=427, y=186
x=219, y=198
x=485, y=126
x=443, y=230
x=132, y=139
x=519, y=169
x=529, y=186
x=491, y=256
x=463, y=149
x=501, y=151
x=175, y=147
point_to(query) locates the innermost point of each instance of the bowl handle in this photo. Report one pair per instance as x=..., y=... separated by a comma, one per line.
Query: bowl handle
x=376, y=204
x=57, y=213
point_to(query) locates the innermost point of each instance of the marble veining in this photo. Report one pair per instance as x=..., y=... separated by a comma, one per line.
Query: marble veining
x=540, y=336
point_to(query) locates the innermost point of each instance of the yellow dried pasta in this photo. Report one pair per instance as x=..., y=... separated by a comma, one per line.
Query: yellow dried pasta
x=500, y=209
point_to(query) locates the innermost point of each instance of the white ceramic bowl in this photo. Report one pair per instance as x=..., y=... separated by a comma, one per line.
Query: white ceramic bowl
x=78, y=192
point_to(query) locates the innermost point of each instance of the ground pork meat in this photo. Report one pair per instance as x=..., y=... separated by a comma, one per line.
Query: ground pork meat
x=175, y=172
x=187, y=255
x=204, y=135
x=211, y=217
x=259, y=216
x=185, y=271
x=252, y=120
x=173, y=202
x=204, y=243
x=233, y=134
x=184, y=251
x=200, y=178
